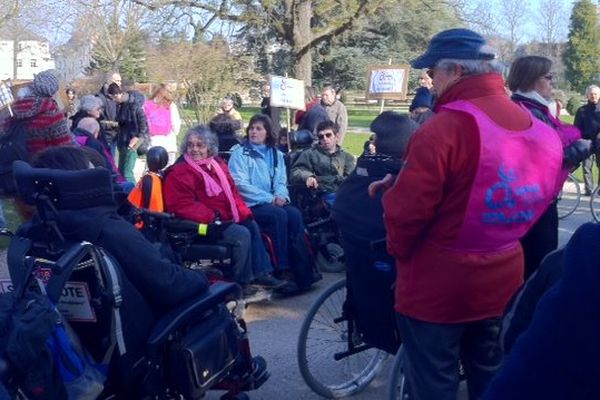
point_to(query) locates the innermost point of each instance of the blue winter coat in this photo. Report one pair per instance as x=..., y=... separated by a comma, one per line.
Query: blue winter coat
x=558, y=357
x=256, y=179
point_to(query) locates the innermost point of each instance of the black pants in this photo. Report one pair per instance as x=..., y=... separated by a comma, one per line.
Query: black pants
x=540, y=240
x=432, y=351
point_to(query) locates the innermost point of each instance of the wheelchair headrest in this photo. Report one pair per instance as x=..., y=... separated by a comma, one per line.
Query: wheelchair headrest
x=66, y=190
x=301, y=139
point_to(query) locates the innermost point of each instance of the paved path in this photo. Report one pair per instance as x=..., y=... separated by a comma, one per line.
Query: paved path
x=274, y=330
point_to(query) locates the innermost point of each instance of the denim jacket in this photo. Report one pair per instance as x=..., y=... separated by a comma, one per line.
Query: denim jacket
x=258, y=178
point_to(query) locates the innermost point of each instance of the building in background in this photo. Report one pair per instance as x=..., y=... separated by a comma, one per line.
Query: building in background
x=23, y=54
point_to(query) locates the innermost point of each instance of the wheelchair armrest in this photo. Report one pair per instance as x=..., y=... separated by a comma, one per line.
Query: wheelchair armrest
x=217, y=293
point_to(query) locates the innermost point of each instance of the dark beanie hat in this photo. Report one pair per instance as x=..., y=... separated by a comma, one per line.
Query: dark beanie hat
x=423, y=98
x=460, y=44
x=392, y=132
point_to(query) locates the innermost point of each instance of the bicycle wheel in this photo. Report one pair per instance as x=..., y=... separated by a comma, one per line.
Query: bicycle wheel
x=321, y=338
x=569, y=197
x=396, y=389
x=595, y=204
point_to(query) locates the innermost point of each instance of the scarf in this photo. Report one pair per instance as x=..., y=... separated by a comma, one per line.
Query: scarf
x=211, y=186
x=533, y=95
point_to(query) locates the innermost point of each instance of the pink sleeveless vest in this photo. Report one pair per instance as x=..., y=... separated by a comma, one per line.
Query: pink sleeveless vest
x=159, y=118
x=516, y=180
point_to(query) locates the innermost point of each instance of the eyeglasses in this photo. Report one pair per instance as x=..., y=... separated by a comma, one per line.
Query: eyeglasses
x=430, y=73
x=549, y=77
x=322, y=136
x=191, y=145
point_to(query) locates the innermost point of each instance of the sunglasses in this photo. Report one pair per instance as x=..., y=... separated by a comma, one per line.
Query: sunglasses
x=430, y=73
x=327, y=135
x=549, y=77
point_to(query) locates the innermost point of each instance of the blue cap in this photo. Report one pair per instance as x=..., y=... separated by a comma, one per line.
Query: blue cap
x=460, y=44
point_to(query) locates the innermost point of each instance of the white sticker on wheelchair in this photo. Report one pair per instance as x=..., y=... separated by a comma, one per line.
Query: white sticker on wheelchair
x=74, y=303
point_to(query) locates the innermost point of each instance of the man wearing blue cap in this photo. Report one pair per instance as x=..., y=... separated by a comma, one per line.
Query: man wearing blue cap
x=471, y=186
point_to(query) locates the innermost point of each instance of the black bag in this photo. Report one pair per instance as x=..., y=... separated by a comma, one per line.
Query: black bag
x=12, y=147
x=205, y=354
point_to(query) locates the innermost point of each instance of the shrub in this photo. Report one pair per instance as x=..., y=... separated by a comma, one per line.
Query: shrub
x=573, y=104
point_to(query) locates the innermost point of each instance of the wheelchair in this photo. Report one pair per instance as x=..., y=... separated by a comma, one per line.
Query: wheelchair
x=199, y=345
x=349, y=331
x=322, y=230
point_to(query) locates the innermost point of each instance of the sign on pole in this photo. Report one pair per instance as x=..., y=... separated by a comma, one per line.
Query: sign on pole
x=287, y=93
x=387, y=82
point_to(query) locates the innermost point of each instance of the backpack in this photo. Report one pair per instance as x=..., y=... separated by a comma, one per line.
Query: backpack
x=13, y=146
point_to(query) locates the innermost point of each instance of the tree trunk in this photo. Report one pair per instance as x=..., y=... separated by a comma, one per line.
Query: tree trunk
x=302, y=36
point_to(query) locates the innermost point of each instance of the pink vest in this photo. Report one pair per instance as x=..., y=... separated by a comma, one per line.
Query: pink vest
x=516, y=180
x=159, y=118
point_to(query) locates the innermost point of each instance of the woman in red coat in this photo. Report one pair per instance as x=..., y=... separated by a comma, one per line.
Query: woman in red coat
x=200, y=188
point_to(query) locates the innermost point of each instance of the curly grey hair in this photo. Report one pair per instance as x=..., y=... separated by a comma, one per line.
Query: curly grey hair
x=203, y=133
x=88, y=102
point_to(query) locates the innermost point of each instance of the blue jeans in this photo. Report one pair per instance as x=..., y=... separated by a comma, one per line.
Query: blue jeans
x=249, y=258
x=329, y=199
x=281, y=224
x=432, y=352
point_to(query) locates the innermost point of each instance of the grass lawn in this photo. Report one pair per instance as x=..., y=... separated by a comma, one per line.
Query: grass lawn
x=12, y=219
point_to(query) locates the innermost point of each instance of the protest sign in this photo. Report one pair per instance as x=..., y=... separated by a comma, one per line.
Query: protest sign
x=387, y=82
x=287, y=93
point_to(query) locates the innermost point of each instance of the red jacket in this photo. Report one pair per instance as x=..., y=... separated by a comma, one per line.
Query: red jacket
x=425, y=208
x=185, y=195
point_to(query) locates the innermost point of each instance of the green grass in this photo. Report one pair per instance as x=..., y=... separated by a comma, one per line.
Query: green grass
x=358, y=116
x=13, y=220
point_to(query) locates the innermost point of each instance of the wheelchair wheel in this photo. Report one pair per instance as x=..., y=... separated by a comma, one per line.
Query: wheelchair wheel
x=330, y=258
x=396, y=389
x=569, y=197
x=595, y=204
x=325, y=334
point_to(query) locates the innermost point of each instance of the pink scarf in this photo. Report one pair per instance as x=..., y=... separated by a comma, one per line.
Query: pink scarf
x=213, y=188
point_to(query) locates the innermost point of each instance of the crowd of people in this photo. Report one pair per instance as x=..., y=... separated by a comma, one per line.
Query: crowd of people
x=456, y=187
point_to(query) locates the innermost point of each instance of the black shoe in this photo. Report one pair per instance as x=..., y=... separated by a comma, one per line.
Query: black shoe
x=289, y=289
x=587, y=193
x=268, y=281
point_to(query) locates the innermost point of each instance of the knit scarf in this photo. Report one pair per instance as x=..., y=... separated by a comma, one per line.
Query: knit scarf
x=211, y=186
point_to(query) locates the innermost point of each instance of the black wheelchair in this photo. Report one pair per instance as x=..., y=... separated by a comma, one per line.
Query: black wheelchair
x=322, y=229
x=198, y=346
x=349, y=331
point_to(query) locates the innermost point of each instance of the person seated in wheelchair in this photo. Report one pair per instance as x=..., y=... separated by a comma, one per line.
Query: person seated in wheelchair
x=200, y=188
x=151, y=285
x=325, y=165
x=359, y=217
x=259, y=172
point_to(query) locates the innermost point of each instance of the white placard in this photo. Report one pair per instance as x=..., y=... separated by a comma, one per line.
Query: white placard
x=287, y=93
x=387, y=82
x=74, y=303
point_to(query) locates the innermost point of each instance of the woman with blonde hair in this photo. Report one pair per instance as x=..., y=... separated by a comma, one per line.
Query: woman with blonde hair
x=164, y=121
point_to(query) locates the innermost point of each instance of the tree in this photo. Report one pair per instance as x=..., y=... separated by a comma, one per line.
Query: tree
x=118, y=35
x=582, y=57
x=514, y=14
x=551, y=25
x=382, y=36
x=204, y=72
x=298, y=25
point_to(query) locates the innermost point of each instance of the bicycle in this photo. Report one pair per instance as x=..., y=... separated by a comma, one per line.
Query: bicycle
x=569, y=197
x=595, y=204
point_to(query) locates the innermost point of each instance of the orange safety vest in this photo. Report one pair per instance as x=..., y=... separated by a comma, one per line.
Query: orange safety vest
x=148, y=193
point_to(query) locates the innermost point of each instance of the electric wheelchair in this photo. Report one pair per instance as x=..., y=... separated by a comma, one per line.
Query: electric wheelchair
x=194, y=347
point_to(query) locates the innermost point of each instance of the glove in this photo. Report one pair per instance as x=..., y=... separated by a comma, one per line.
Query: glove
x=576, y=152
x=214, y=230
